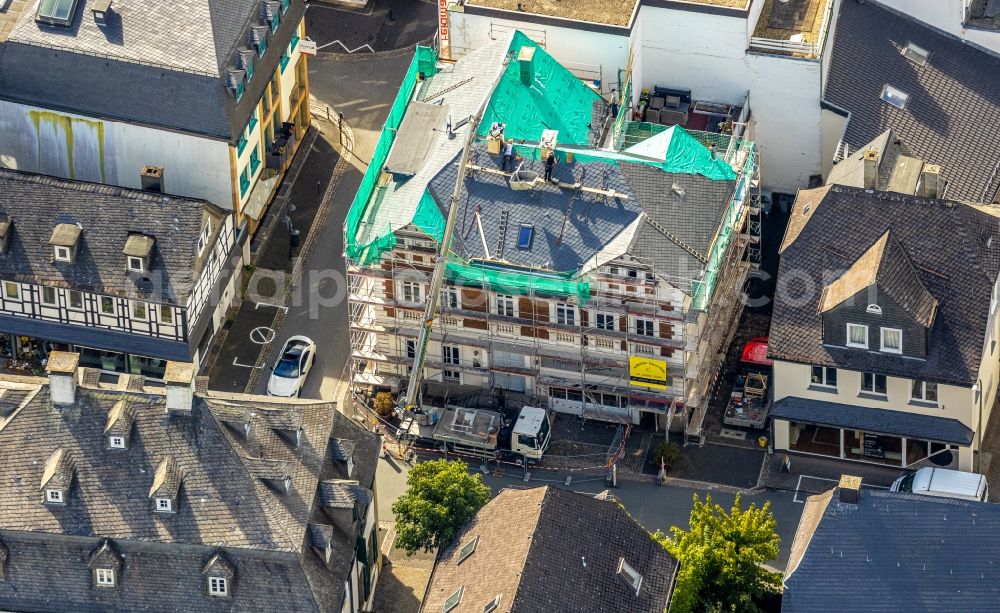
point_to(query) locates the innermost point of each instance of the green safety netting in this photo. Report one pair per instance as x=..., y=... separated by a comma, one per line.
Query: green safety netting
x=682, y=152
x=424, y=62
x=554, y=99
x=516, y=282
x=429, y=218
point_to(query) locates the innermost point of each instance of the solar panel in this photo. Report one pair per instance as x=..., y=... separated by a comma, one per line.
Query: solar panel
x=56, y=12
x=525, y=235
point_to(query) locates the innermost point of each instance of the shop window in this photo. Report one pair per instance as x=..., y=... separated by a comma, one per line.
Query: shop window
x=857, y=336
x=49, y=296
x=924, y=391
x=107, y=305
x=76, y=300
x=824, y=376
x=872, y=383
x=11, y=290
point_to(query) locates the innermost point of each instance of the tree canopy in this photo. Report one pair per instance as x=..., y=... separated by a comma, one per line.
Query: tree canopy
x=722, y=556
x=440, y=497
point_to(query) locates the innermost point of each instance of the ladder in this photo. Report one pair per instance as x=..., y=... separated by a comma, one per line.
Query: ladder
x=502, y=234
x=677, y=241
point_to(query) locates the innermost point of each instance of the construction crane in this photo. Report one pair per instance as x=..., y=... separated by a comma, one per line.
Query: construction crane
x=409, y=402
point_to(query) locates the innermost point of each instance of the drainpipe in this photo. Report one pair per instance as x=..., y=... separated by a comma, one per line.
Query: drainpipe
x=978, y=390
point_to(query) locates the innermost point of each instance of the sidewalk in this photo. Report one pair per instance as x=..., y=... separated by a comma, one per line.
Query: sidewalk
x=811, y=475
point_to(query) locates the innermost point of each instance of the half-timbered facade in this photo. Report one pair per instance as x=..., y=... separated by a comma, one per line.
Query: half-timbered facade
x=130, y=278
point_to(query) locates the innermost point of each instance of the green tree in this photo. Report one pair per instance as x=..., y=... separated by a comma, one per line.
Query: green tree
x=722, y=558
x=440, y=497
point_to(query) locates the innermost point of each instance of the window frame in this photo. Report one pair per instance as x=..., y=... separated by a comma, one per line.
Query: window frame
x=107, y=300
x=449, y=297
x=847, y=340
x=886, y=349
x=924, y=386
x=54, y=495
x=130, y=260
x=61, y=253
x=501, y=304
x=164, y=508
x=69, y=300
x=136, y=304
x=648, y=325
x=55, y=296
x=606, y=321
x=874, y=388
x=565, y=314
x=16, y=294
x=824, y=376
x=105, y=577
x=112, y=442
x=166, y=314
x=412, y=291
x=218, y=587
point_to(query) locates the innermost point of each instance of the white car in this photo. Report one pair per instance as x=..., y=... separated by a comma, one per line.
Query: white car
x=289, y=373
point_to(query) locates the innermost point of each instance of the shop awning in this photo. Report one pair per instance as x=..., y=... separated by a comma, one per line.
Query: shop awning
x=755, y=352
x=876, y=421
x=96, y=338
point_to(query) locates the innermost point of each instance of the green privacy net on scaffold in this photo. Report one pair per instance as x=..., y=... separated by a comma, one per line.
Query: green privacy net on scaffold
x=506, y=281
x=424, y=62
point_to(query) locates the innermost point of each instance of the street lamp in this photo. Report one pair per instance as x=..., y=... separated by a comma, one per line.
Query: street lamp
x=293, y=233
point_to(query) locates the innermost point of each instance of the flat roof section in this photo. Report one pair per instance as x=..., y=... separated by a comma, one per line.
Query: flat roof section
x=611, y=12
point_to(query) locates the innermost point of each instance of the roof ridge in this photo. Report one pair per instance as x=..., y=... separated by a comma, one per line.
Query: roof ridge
x=92, y=187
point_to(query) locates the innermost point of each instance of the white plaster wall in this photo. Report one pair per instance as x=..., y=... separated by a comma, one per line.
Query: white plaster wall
x=578, y=50
x=946, y=15
x=832, y=127
x=785, y=94
x=78, y=147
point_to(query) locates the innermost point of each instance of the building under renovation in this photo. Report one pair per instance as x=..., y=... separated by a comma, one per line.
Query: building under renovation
x=610, y=291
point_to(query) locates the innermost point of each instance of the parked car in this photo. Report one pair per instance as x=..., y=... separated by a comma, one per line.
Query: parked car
x=289, y=373
x=944, y=483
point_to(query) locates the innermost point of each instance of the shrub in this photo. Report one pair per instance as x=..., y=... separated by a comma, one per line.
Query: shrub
x=385, y=404
x=667, y=453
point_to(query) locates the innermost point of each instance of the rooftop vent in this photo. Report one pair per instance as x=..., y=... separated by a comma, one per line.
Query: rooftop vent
x=56, y=12
x=917, y=55
x=894, y=96
x=629, y=575
x=677, y=189
x=102, y=11
x=850, y=489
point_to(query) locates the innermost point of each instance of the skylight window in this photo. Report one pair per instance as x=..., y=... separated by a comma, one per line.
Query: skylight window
x=56, y=12
x=916, y=54
x=629, y=575
x=894, y=96
x=492, y=605
x=453, y=600
x=467, y=549
x=525, y=236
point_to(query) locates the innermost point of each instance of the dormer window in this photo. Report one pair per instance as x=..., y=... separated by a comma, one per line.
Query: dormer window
x=104, y=577
x=116, y=442
x=166, y=486
x=63, y=254
x=5, y=232
x=64, y=240
x=164, y=505
x=57, y=477
x=137, y=251
x=218, y=587
x=206, y=232
x=135, y=264
x=55, y=496
x=892, y=340
x=857, y=336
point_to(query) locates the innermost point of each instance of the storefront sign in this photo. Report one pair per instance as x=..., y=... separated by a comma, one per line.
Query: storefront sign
x=647, y=372
x=873, y=447
x=444, y=34
x=307, y=47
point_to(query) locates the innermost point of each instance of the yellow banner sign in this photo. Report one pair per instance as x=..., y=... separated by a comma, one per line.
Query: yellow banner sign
x=647, y=372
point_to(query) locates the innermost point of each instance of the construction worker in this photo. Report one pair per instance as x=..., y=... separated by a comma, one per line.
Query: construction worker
x=550, y=163
x=508, y=155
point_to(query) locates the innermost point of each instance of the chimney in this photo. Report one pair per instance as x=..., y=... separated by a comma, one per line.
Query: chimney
x=152, y=178
x=525, y=60
x=850, y=489
x=102, y=11
x=61, y=368
x=179, y=379
x=930, y=180
x=871, y=168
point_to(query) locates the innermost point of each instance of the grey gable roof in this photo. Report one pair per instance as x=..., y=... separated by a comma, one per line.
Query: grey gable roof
x=952, y=117
x=158, y=63
x=946, y=241
x=36, y=203
x=894, y=552
x=546, y=549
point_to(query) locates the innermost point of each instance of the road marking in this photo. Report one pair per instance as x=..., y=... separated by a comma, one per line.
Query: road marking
x=268, y=304
x=261, y=335
x=798, y=486
x=373, y=107
x=349, y=51
x=235, y=363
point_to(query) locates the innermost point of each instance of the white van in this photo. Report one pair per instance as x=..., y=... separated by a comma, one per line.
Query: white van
x=945, y=483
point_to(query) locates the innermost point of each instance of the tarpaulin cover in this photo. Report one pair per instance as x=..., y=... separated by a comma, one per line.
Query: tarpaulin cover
x=516, y=282
x=556, y=99
x=682, y=153
x=755, y=352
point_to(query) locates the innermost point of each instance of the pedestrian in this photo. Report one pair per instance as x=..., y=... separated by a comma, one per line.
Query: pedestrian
x=550, y=163
x=508, y=155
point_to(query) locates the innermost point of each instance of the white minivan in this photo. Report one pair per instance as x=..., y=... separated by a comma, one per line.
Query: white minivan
x=944, y=483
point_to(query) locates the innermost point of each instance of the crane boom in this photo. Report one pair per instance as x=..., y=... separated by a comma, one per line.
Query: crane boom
x=437, y=280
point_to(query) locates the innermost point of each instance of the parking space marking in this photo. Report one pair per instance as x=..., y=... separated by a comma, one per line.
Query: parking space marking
x=261, y=335
x=235, y=363
x=268, y=304
x=798, y=486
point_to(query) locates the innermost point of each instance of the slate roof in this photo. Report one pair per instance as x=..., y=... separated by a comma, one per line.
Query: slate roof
x=879, y=421
x=952, y=117
x=894, y=552
x=947, y=242
x=122, y=71
x=221, y=507
x=546, y=549
x=886, y=265
x=107, y=214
